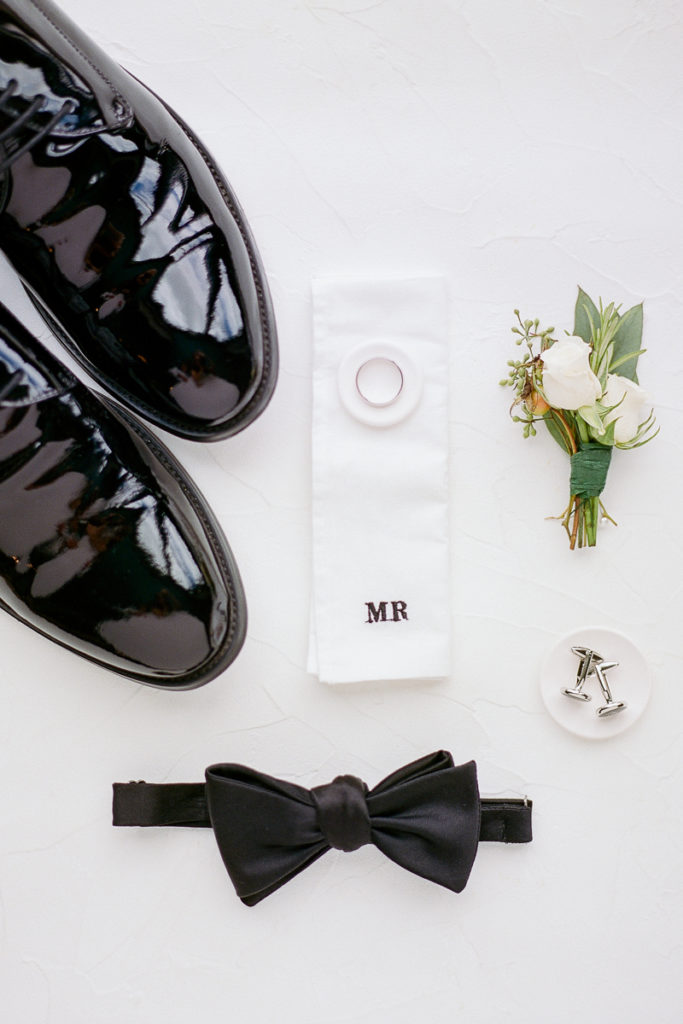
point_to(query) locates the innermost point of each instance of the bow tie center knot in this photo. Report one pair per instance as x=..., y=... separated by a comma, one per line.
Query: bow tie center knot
x=343, y=816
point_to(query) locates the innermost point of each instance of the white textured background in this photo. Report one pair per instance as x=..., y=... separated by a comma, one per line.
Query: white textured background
x=520, y=148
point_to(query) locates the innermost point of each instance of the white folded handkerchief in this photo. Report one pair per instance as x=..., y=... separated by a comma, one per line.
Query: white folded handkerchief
x=380, y=603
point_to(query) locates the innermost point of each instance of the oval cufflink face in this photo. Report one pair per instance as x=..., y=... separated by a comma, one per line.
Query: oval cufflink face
x=379, y=383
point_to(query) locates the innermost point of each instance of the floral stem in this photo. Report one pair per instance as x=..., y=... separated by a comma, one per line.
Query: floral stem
x=576, y=513
x=607, y=515
x=591, y=516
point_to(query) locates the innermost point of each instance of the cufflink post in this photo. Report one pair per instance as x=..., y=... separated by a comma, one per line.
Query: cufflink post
x=589, y=659
x=611, y=706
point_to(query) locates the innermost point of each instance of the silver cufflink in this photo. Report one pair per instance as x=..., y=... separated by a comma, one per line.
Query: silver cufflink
x=593, y=664
x=588, y=658
x=610, y=706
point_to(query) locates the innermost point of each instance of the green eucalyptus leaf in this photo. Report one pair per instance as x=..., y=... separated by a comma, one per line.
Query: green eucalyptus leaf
x=627, y=339
x=586, y=317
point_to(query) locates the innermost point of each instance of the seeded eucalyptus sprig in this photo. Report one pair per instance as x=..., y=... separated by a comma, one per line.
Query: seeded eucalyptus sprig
x=584, y=387
x=524, y=376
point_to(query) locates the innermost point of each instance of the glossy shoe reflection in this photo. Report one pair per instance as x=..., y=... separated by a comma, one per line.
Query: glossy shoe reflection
x=131, y=243
x=106, y=546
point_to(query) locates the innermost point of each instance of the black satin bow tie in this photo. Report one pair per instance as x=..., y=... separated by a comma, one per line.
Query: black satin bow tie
x=427, y=817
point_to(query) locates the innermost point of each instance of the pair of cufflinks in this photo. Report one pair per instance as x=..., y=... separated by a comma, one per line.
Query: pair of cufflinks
x=592, y=664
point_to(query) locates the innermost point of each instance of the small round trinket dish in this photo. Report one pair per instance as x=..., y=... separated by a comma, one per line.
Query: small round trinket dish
x=595, y=682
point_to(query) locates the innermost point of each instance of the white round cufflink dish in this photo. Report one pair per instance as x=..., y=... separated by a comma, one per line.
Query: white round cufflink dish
x=379, y=383
x=595, y=682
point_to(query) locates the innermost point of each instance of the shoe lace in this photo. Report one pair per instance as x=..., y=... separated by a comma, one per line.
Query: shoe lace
x=8, y=156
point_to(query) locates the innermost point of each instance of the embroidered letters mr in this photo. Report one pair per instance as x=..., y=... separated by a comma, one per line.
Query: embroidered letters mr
x=378, y=612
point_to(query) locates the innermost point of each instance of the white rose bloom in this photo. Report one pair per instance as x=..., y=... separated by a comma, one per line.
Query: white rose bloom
x=631, y=412
x=568, y=381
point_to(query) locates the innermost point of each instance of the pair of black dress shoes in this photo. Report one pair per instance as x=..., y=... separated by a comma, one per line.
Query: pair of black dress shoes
x=132, y=246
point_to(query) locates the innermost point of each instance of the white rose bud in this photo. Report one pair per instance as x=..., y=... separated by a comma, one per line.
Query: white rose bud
x=630, y=413
x=568, y=381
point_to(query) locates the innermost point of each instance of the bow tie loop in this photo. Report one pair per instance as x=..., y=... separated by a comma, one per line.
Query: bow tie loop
x=343, y=816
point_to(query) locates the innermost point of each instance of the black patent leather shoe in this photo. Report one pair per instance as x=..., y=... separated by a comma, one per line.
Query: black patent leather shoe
x=128, y=238
x=106, y=546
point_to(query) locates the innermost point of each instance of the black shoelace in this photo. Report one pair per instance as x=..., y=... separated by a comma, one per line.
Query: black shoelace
x=10, y=151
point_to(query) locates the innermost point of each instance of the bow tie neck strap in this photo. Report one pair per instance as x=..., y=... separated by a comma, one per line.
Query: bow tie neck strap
x=505, y=821
x=182, y=804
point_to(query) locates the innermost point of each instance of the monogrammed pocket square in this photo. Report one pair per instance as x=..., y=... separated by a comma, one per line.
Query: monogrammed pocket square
x=380, y=600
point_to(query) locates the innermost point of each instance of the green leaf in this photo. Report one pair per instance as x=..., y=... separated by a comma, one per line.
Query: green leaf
x=557, y=431
x=607, y=438
x=615, y=364
x=627, y=339
x=630, y=445
x=586, y=317
x=591, y=415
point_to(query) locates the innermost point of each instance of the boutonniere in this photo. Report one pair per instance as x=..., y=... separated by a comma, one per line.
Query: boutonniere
x=584, y=387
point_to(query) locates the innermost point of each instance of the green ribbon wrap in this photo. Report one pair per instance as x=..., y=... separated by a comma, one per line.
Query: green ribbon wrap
x=589, y=470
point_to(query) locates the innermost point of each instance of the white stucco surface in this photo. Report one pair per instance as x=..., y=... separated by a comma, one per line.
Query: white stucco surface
x=520, y=149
